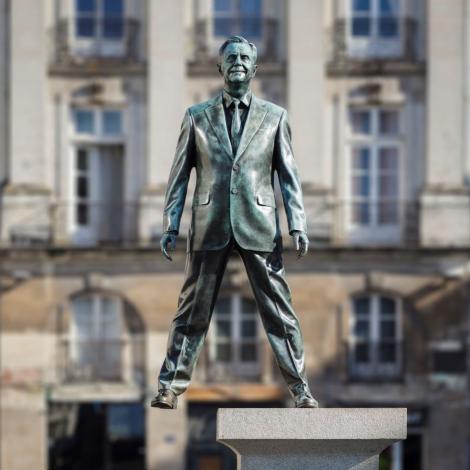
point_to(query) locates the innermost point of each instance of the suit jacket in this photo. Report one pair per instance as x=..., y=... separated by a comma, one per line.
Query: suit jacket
x=234, y=194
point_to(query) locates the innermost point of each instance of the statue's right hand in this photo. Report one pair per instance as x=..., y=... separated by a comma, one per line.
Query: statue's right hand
x=168, y=238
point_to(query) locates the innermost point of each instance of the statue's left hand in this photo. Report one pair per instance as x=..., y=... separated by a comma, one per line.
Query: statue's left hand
x=300, y=242
x=168, y=238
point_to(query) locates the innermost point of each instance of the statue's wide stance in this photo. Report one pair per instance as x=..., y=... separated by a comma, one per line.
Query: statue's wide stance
x=236, y=142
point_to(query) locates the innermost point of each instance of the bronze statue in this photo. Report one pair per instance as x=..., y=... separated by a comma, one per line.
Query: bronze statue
x=235, y=142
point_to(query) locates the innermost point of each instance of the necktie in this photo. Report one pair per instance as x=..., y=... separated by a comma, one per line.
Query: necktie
x=236, y=124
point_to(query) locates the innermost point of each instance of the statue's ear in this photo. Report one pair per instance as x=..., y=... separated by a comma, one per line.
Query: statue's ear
x=219, y=68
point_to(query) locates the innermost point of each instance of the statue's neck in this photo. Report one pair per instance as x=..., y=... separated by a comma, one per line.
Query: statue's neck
x=237, y=90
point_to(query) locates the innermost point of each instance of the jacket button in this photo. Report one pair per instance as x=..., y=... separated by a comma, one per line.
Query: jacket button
x=236, y=167
x=234, y=191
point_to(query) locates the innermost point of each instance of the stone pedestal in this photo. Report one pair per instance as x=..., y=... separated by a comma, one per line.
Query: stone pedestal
x=301, y=439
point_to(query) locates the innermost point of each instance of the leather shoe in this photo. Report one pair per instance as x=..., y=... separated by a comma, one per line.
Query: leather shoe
x=305, y=400
x=165, y=399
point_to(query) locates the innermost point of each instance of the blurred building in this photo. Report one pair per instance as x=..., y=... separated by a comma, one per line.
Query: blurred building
x=92, y=96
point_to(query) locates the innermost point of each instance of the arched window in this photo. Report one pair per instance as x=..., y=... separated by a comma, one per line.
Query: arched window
x=375, y=340
x=234, y=347
x=104, y=340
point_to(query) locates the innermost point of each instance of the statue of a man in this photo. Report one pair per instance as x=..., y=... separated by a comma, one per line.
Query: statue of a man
x=235, y=142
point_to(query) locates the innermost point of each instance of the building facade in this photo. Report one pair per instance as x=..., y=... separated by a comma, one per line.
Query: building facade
x=92, y=97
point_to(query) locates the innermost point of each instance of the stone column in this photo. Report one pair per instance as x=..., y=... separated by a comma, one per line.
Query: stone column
x=302, y=439
x=25, y=201
x=166, y=82
x=445, y=199
x=306, y=106
x=4, y=64
x=27, y=93
x=306, y=92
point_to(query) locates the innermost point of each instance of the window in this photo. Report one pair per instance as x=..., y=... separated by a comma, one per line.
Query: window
x=82, y=187
x=97, y=122
x=375, y=28
x=449, y=358
x=374, y=181
x=238, y=17
x=95, y=337
x=375, y=336
x=99, y=19
x=84, y=121
x=448, y=363
x=375, y=18
x=234, y=345
x=112, y=122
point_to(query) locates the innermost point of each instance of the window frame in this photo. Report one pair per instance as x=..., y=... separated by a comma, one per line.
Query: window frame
x=452, y=380
x=98, y=135
x=84, y=234
x=121, y=340
x=235, y=15
x=374, y=141
x=99, y=44
x=236, y=366
x=374, y=368
x=374, y=44
x=87, y=200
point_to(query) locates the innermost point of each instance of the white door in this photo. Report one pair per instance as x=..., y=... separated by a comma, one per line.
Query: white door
x=110, y=193
x=98, y=188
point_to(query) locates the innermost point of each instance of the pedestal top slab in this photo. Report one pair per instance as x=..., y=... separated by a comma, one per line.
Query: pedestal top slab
x=311, y=423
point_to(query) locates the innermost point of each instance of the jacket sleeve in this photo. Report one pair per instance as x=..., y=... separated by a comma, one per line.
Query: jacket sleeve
x=179, y=176
x=288, y=174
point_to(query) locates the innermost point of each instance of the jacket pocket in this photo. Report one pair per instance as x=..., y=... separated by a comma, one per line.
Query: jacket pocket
x=266, y=200
x=201, y=199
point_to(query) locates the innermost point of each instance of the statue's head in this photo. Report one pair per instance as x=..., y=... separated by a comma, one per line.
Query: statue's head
x=237, y=61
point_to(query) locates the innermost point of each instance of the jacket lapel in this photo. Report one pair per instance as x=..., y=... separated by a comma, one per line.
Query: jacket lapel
x=256, y=114
x=216, y=116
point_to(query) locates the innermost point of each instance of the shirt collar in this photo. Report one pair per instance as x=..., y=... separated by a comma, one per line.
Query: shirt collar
x=245, y=99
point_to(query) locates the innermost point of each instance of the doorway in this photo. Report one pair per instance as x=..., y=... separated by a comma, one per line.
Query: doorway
x=404, y=455
x=97, y=214
x=96, y=436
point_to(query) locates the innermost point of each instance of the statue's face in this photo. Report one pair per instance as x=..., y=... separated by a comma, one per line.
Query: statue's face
x=237, y=64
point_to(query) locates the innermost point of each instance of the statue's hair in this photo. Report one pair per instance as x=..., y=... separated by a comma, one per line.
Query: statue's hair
x=238, y=39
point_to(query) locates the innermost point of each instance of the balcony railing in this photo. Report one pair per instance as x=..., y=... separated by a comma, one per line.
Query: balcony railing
x=336, y=223
x=374, y=360
x=107, y=360
x=376, y=222
x=260, y=367
x=208, y=35
x=350, y=54
x=119, y=47
x=73, y=224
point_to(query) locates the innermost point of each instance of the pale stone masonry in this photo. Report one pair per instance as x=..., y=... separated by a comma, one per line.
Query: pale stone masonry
x=90, y=110
x=445, y=195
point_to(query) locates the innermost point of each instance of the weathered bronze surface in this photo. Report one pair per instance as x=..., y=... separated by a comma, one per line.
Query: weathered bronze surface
x=235, y=142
